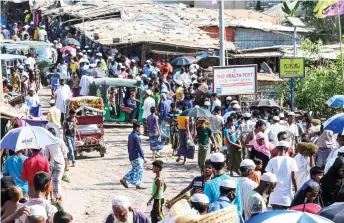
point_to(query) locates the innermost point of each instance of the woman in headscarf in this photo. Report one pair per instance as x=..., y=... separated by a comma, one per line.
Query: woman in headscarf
x=308, y=194
x=261, y=147
x=332, y=184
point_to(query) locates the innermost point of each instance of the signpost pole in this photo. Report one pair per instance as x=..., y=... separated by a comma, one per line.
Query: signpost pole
x=222, y=33
x=292, y=85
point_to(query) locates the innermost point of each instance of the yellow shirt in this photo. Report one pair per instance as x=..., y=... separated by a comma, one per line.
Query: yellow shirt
x=179, y=93
x=27, y=18
x=74, y=66
x=182, y=122
x=15, y=82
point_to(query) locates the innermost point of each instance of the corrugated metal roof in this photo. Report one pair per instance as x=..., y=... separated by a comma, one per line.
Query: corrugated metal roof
x=153, y=29
x=257, y=55
x=268, y=77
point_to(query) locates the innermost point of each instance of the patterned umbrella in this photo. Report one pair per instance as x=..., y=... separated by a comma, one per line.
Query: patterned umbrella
x=71, y=41
x=70, y=49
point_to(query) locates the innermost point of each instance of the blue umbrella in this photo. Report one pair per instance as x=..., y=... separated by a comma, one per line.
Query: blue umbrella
x=287, y=216
x=28, y=137
x=334, y=212
x=181, y=61
x=336, y=101
x=335, y=123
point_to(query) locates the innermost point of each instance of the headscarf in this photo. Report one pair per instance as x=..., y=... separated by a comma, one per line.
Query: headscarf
x=265, y=148
x=332, y=185
x=309, y=186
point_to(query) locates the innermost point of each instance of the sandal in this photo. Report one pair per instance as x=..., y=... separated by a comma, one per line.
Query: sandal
x=124, y=183
x=138, y=187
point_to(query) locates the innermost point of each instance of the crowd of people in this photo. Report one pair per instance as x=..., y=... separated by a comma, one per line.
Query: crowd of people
x=277, y=162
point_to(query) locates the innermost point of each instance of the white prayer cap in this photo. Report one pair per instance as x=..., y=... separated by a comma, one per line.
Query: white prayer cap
x=86, y=47
x=149, y=92
x=52, y=102
x=110, y=58
x=144, y=76
x=247, y=162
x=55, y=41
x=269, y=177
x=121, y=200
x=89, y=51
x=291, y=114
x=246, y=115
x=81, y=54
x=21, y=67
x=281, y=115
x=84, y=51
x=341, y=149
x=200, y=198
x=148, y=61
x=207, y=103
x=132, y=60
x=217, y=158
x=228, y=184
x=235, y=102
x=236, y=106
x=138, y=78
x=276, y=118
x=38, y=211
x=283, y=143
x=99, y=54
x=78, y=47
x=229, y=98
x=31, y=23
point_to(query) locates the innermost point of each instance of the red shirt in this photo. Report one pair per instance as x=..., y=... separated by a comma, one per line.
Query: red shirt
x=32, y=165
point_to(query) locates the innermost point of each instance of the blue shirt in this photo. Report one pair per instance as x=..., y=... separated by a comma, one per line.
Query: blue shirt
x=14, y=167
x=164, y=109
x=212, y=189
x=113, y=69
x=221, y=203
x=134, y=146
x=148, y=70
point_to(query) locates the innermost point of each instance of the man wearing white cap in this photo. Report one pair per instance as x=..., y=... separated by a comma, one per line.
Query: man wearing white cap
x=285, y=168
x=102, y=66
x=293, y=129
x=245, y=184
x=282, y=119
x=227, y=196
x=147, y=69
x=133, y=67
x=200, y=202
x=123, y=213
x=212, y=188
x=255, y=202
x=245, y=128
x=275, y=128
x=42, y=34
x=227, y=106
x=235, y=109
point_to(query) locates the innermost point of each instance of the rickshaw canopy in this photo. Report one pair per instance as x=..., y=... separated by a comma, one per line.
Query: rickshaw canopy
x=86, y=102
x=13, y=48
x=12, y=57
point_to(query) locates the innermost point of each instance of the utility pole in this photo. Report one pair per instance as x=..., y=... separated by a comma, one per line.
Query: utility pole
x=222, y=33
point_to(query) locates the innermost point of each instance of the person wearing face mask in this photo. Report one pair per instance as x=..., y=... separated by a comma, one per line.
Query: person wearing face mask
x=255, y=202
x=123, y=213
x=332, y=184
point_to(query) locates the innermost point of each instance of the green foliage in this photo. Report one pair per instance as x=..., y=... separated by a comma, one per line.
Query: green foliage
x=291, y=12
x=320, y=84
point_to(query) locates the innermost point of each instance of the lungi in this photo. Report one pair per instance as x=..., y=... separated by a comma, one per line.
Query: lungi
x=155, y=142
x=234, y=159
x=218, y=140
x=203, y=155
x=183, y=150
x=134, y=176
x=57, y=173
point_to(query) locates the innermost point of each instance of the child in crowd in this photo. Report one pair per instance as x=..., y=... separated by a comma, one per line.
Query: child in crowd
x=257, y=172
x=158, y=190
x=12, y=205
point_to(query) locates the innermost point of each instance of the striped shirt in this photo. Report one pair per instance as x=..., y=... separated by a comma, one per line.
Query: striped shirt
x=198, y=185
x=244, y=185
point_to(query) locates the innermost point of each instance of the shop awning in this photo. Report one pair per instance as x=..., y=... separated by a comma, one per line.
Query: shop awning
x=175, y=53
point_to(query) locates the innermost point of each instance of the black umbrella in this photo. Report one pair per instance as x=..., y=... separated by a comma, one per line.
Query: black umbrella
x=334, y=212
x=71, y=41
x=264, y=103
x=197, y=113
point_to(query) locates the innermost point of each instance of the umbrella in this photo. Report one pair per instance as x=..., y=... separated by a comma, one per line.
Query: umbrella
x=197, y=113
x=335, y=123
x=71, y=41
x=264, y=103
x=181, y=61
x=309, y=208
x=27, y=137
x=70, y=49
x=334, y=212
x=287, y=216
x=98, y=73
x=336, y=101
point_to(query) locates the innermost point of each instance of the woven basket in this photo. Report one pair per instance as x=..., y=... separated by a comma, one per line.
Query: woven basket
x=226, y=215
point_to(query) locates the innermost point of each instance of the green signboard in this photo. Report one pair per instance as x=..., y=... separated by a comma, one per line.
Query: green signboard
x=292, y=67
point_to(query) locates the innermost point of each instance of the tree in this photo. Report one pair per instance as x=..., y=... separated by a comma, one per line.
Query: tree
x=258, y=6
x=291, y=12
x=321, y=82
